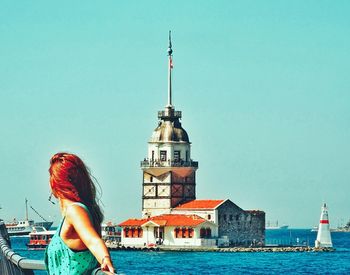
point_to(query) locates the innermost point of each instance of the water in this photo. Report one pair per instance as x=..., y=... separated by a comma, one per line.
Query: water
x=138, y=262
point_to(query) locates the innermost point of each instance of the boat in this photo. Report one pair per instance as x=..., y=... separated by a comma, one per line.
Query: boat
x=18, y=228
x=111, y=233
x=276, y=226
x=314, y=229
x=39, y=238
x=46, y=224
x=345, y=228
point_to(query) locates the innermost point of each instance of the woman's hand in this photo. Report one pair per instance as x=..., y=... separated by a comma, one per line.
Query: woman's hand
x=107, y=264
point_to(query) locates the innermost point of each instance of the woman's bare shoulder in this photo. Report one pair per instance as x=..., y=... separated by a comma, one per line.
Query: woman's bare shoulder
x=75, y=210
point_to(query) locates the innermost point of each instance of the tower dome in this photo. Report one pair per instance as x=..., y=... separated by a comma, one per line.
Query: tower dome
x=169, y=128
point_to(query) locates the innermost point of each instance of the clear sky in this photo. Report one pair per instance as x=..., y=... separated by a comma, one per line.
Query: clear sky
x=263, y=87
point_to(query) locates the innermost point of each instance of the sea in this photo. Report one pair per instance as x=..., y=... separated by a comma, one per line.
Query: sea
x=152, y=262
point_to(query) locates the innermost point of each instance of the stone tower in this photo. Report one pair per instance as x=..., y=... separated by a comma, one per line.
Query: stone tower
x=169, y=174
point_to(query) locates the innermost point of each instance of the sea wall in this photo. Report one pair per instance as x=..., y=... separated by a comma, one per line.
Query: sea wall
x=224, y=249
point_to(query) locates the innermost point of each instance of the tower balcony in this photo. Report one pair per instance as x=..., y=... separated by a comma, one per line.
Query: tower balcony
x=169, y=113
x=168, y=163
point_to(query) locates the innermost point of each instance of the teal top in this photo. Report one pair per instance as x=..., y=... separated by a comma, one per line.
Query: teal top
x=60, y=259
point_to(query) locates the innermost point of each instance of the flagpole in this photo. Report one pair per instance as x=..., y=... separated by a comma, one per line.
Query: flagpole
x=170, y=66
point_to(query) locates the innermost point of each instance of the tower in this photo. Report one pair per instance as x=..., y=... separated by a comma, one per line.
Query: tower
x=324, y=234
x=169, y=174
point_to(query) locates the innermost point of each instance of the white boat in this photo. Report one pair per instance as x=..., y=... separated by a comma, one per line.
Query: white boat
x=111, y=232
x=18, y=228
x=269, y=226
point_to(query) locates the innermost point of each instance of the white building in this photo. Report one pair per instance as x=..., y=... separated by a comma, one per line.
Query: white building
x=169, y=230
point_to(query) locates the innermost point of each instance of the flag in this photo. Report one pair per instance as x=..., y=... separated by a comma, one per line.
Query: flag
x=171, y=63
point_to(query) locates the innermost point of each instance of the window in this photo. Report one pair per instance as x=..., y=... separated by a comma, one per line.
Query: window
x=126, y=232
x=176, y=231
x=202, y=233
x=139, y=232
x=133, y=232
x=163, y=155
x=190, y=232
x=152, y=155
x=231, y=217
x=208, y=232
x=187, y=156
x=224, y=217
x=205, y=233
x=151, y=179
x=209, y=216
x=176, y=156
x=183, y=232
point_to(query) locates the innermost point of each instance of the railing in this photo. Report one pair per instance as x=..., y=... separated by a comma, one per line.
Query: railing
x=157, y=163
x=169, y=114
x=12, y=263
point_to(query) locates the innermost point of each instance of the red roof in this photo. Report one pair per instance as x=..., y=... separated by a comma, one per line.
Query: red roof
x=166, y=220
x=200, y=204
x=133, y=222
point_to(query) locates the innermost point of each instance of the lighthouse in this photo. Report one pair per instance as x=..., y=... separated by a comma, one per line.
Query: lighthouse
x=324, y=235
x=169, y=173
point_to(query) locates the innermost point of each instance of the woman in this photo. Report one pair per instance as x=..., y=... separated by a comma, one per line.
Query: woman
x=77, y=247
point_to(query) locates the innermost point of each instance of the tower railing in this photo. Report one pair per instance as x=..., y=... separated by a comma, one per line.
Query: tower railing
x=168, y=163
x=170, y=113
x=12, y=263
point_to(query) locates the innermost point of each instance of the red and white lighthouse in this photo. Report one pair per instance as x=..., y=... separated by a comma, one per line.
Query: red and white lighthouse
x=324, y=234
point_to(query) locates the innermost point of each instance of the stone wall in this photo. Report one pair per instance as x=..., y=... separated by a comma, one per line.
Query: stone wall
x=242, y=228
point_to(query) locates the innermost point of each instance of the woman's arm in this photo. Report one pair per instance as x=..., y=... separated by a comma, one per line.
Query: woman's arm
x=79, y=218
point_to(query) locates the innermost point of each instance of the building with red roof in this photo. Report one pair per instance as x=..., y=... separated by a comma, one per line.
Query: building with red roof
x=170, y=230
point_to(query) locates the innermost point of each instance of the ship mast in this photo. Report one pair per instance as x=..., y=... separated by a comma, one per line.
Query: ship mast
x=26, y=202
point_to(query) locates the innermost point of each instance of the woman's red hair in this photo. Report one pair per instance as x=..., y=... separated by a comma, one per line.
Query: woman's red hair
x=71, y=179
